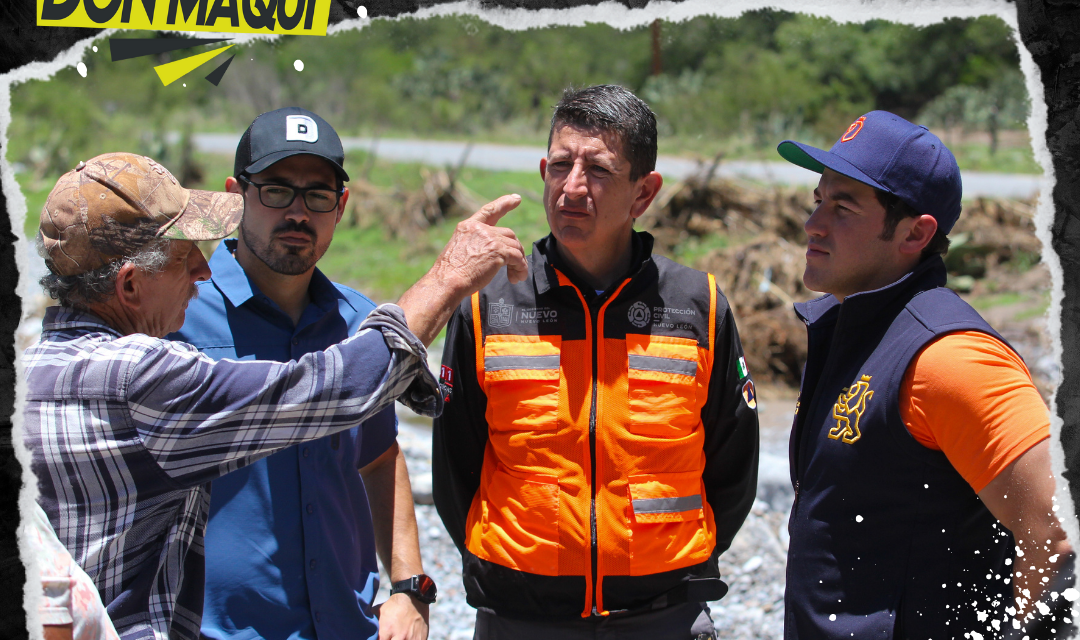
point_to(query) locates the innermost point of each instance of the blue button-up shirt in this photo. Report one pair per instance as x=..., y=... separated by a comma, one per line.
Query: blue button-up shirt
x=289, y=546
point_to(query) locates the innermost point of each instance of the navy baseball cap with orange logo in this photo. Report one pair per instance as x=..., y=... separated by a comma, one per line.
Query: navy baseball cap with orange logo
x=885, y=151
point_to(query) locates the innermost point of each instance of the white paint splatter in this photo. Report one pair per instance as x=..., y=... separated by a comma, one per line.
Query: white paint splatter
x=832, y=617
x=298, y=65
x=858, y=518
x=361, y=12
x=81, y=68
x=95, y=48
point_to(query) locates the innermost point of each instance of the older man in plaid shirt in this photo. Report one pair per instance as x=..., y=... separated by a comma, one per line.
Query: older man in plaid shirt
x=127, y=429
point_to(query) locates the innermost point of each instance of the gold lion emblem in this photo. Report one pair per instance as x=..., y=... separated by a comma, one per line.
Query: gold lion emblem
x=852, y=401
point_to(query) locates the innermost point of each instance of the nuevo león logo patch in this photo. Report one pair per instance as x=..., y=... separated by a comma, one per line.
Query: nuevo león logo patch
x=499, y=314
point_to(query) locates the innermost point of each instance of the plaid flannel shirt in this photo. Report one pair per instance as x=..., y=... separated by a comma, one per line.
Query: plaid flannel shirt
x=126, y=432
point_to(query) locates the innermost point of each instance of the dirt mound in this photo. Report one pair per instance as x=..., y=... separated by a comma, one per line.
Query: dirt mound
x=403, y=212
x=760, y=272
x=993, y=247
x=762, y=279
x=702, y=205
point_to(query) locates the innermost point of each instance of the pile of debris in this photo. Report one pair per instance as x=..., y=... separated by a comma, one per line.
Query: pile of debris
x=760, y=271
x=404, y=212
x=993, y=242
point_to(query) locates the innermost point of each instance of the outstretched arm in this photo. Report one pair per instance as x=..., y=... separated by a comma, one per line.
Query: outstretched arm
x=472, y=257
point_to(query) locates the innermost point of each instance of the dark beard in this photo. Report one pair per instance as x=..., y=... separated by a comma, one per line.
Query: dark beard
x=289, y=261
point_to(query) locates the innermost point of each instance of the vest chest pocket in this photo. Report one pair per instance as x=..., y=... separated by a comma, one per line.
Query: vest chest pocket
x=662, y=385
x=521, y=377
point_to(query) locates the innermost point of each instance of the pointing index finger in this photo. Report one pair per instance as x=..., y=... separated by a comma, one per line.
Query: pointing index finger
x=491, y=212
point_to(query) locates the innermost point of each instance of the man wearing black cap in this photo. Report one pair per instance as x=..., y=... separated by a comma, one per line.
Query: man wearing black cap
x=918, y=432
x=291, y=543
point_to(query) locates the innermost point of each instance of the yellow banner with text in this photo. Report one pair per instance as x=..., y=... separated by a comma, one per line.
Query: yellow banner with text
x=293, y=17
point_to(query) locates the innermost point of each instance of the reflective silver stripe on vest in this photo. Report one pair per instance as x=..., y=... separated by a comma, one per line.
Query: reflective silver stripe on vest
x=667, y=505
x=664, y=365
x=501, y=363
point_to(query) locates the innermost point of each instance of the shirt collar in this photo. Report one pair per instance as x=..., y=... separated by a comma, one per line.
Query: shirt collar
x=62, y=318
x=229, y=277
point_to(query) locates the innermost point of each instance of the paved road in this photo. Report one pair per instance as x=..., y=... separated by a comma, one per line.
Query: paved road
x=512, y=158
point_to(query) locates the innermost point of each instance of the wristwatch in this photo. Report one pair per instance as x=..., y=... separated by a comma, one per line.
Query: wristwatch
x=419, y=586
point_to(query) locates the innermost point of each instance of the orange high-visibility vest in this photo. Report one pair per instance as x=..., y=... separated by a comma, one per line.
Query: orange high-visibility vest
x=623, y=409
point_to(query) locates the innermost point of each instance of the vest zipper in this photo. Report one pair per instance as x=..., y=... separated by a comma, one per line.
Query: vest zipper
x=592, y=460
x=590, y=604
x=594, y=323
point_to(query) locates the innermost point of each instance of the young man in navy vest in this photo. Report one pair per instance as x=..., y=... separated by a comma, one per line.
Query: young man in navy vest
x=598, y=448
x=920, y=451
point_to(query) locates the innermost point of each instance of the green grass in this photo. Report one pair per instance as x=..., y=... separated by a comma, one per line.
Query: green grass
x=977, y=157
x=694, y=249
x=35, y=199
x=382, y=266
x=983, y=303
x=1033, y=312
x=1031, y=304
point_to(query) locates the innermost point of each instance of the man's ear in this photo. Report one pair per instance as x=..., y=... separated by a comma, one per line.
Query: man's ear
x=341, y=204
x=232, y=185
x=648, y=186
x=129, y=287
x=918, y=233
x=543, y=168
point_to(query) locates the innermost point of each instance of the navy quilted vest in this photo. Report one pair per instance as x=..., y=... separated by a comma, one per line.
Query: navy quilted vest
x=887, y=539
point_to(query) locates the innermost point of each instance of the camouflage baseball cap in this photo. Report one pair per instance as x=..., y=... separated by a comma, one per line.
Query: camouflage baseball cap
x=113, y=204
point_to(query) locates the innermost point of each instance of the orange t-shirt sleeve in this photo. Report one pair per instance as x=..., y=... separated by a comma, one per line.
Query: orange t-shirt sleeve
x=971, y=397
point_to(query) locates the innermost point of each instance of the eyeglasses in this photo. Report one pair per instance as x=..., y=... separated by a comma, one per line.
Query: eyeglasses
x=279, y=196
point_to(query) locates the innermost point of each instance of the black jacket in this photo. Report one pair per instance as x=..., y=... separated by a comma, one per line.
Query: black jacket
x=649, y=299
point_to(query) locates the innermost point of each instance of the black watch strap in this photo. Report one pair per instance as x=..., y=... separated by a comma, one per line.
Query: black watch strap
x=420, y=586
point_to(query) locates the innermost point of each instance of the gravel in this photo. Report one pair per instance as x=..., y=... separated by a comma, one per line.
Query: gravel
x=753, y=567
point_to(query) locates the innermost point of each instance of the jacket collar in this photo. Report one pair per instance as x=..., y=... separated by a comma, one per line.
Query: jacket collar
x=546, y=259
x=867, y=305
